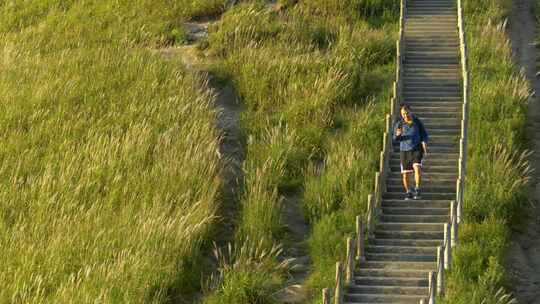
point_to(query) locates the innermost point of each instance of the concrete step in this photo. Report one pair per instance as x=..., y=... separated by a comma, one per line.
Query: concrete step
x=439, y=139
x=415, y=210
x=421, y=227
x=421, y=113
x=426, y=196
x=431, y=35
x=382, y=298
x=419, y=41
x=430, y=169
x=426, y=84
x=405, y=234
x=412, y=53
x=395, y=182
x=434, y=156
x=401, y=257
x=454, y=131
x=433, y=68
x=401, y=250
x=399, y=266
x=426, y=60
x=436, y=149
x=426, y=175
x=432, y=4
x=432, y=71
x=444, y=109
x=415, y=218
x=420, y=281
x=426, y=189
x=434, y=99
x=428, y=30
x=391, y=290
x=402, y=242
x=428, y=162
x=431, y=94
x=448, y=26
x=440, y=48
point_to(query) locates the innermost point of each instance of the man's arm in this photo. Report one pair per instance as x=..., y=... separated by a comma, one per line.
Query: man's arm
x=397, y=131
x=424, y=137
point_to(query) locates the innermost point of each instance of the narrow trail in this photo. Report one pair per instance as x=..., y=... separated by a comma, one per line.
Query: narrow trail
x=232, y=153
x=524, y=252
x=231, y=147
x=295, y=249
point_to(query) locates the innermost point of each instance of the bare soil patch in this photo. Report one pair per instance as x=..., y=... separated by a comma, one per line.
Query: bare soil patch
x=524, y=251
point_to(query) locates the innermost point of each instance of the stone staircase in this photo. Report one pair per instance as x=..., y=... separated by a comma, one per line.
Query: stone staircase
x=402, y=248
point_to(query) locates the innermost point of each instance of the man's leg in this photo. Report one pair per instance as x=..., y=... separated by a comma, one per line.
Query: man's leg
x=417, y=179
x=405, y=181
x=417, y=174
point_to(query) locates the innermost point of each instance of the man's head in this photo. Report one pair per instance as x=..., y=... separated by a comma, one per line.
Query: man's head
x=406, y=113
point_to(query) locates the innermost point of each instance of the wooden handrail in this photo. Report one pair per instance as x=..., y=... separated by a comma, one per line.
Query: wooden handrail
x=432, y=286
x=440, y=270
x=338, y=292
x=370, y=216
x=359, y=239
x=349, y=267
x=325, y=296
x=447, y=246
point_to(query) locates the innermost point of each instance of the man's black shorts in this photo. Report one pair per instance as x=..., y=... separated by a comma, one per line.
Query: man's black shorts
x=409, y=159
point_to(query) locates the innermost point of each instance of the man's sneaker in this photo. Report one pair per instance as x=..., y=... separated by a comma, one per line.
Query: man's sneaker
x=417, y=193
x=408, y=195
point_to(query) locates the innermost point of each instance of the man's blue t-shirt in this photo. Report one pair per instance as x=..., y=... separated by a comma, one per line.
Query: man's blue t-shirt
x=412, y=135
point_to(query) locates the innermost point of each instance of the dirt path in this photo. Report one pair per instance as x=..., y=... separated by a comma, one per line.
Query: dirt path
x=524, y=252
x=232, y=152
x=295, y=249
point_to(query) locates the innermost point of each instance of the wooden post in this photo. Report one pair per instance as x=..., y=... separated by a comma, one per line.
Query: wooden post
x=359, y=239
x=454, y=223
x=349, y=270
x=422, y=301
x=453, y=216
x=459, y=210
x=440, y=270
x=325, y=296
x=385, y=141
x=447, y=246
x=377, y=191
x=337, y=291
x=461, y=145
x=432, y=286
x=370, y=219
x=458, y=189
x=382, y=170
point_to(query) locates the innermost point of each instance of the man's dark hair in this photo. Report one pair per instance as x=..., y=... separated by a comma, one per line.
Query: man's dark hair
x=404, y=106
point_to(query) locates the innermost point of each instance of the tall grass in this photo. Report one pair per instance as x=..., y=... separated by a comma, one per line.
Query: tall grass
x=300, y=73
x=109, y=164
x=498, y=172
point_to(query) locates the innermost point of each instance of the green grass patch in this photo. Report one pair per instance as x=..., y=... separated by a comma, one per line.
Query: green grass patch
x=109, y=166
x=312, y=78
x=497, y=178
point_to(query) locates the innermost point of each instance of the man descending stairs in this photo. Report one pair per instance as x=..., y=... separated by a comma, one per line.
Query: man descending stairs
x=403, y=248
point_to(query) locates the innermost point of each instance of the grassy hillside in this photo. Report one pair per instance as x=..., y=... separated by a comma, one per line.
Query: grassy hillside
x=109, y=162
x=497, y=171
x=109, y=154
x=314, y=79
